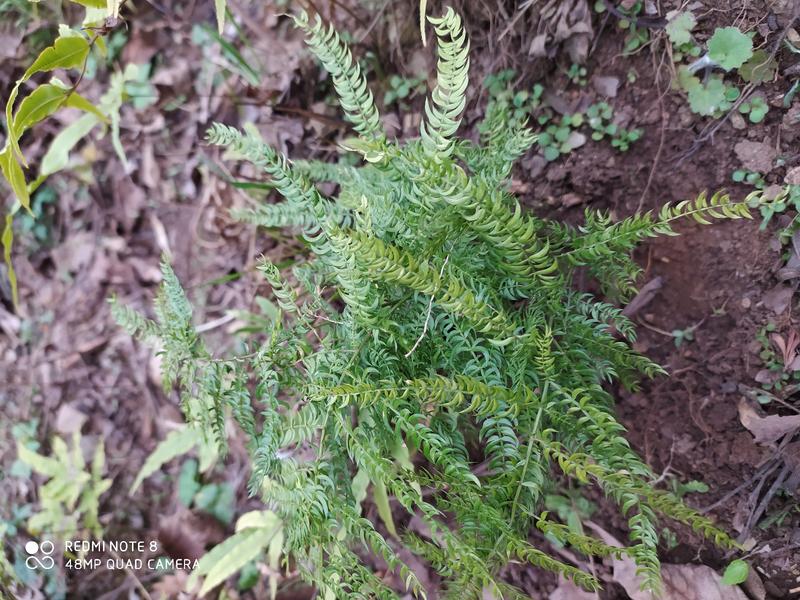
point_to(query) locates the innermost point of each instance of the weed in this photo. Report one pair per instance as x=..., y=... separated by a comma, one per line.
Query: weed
x=749, y=177
x=599, y=117
x=402, y=88
x=756, y=109
x=577, y=74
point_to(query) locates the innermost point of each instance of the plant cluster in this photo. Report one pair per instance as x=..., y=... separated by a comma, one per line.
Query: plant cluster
x=556, y=136
x=728, y=50
x=401, y=88
x=749, y=177
x=76, y=51
x=577, y=74
x=429, y=347
x=70, y=499
x=636, y=37
x=599, y=117
x=777, y=355
x=788, y=197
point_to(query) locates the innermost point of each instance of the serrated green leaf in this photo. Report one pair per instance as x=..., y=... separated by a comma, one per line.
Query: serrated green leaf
x=359, y=487
x=258, y=519
x=177, y=442
x=706, y=99
x=680, y=27
x=273, y=560
x=229, y=557
x=91, y=3
x=735, y=573
x=729, y=48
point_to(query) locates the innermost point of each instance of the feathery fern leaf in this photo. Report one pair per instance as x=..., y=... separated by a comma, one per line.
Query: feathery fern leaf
x=432, y=325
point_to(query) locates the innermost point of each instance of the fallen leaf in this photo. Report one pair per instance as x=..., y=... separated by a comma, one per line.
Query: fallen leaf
x=778, y=298
x=767, y=429
x=681, y=582
x=567, y=590
x=793, y=176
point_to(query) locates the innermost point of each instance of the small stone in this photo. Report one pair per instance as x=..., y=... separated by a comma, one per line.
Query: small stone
x=793, y=176
x=771, y=191
x=755, y=156
x=535, y=166
x=606, y=85
x=69, y=419
x=737, y=121
x=557, y=173
x=746, y=303
x=571, y=199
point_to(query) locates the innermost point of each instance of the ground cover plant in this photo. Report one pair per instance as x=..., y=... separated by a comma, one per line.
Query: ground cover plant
x=431, y=345
x=111, y=194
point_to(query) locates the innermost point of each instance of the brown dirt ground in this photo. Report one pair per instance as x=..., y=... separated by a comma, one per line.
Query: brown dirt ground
x=62, y=349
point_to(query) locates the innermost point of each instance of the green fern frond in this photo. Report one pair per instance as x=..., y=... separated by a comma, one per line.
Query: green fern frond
x=431, y=326
x=443, y=109
x=355, y=96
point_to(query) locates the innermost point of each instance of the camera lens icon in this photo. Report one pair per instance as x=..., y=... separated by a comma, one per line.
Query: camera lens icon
x=40, y=554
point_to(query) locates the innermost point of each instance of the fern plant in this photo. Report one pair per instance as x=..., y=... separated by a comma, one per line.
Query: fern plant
x=431, y=343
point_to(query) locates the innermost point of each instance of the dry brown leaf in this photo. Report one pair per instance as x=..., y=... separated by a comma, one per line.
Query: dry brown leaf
x=767, y=429
x=681, y=582
x=778, y=298
x=567, y=590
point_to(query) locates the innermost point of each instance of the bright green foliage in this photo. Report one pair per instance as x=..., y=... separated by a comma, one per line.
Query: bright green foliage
x=599, y=117
x=577, y=74
x=561, y=137
x=70, y=499
x=69, y=51
x=257, y=533
x=432, y=328
x=735, y=573
x=707, y=99
x=401, y=88
x=679, y=29
x=729, y=48
x=755, y=109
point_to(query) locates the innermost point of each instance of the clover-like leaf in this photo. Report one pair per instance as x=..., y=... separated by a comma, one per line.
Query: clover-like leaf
x=729, y=48
x=680, y=27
